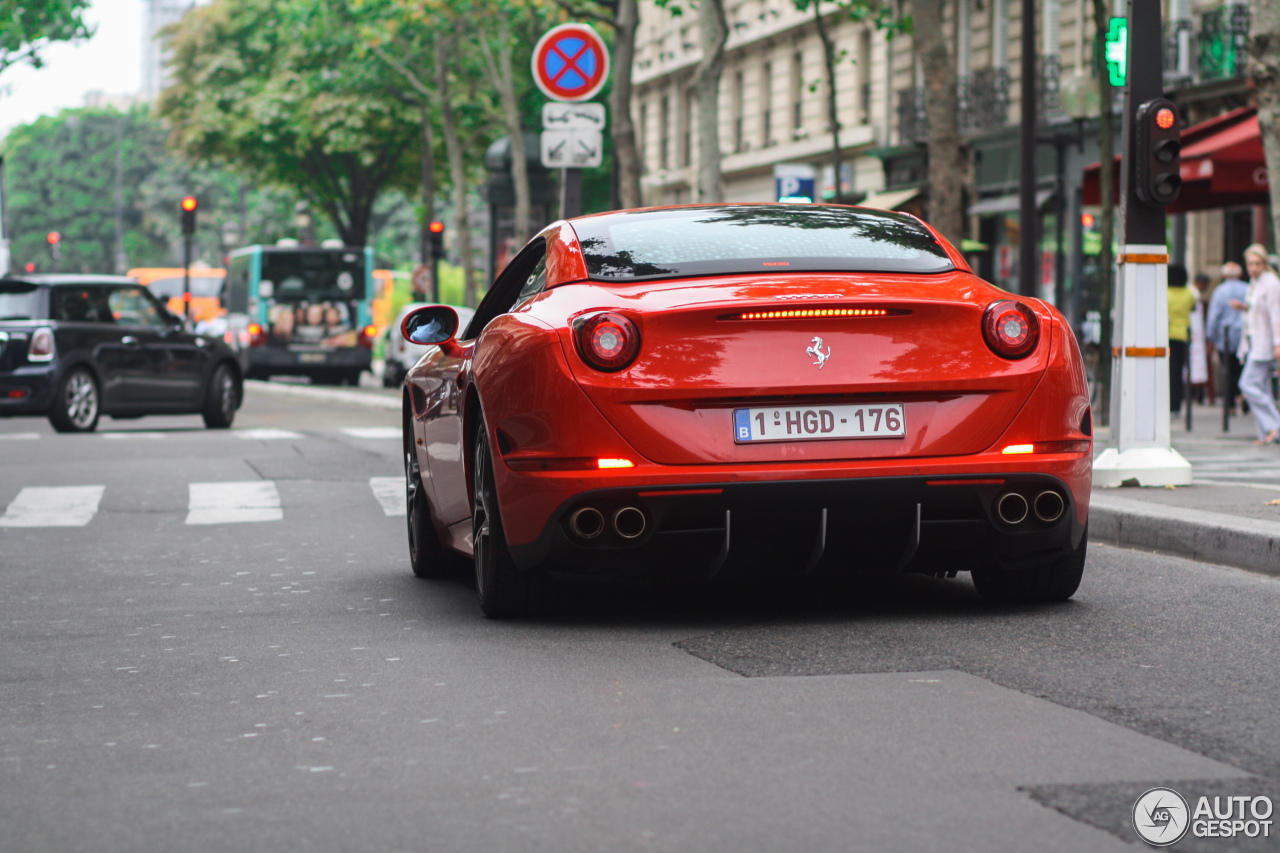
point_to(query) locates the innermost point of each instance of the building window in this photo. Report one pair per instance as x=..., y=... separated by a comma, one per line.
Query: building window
x=643, y=142
x=766, y=103
x=864, y=77
x=797, y=92
x=688, y=127
x=738, y=141
x=664, y=131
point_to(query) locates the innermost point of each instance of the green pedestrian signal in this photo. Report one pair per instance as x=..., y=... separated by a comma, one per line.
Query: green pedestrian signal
x=1116, y=51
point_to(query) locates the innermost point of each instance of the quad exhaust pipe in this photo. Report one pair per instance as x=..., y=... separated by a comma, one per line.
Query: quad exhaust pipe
x=1012, y=508
x=629, y=522
x=1049, y=505
x=586, y=523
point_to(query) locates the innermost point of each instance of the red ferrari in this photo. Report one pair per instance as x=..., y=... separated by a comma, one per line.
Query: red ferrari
x=738, y=390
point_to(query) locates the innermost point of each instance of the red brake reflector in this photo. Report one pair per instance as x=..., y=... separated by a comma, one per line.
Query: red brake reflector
x=615, y=463
x=1019, y=448
x=17, y=394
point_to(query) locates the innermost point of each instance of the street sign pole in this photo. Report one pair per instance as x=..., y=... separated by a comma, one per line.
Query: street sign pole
x=1141, y=452
x=570, y=193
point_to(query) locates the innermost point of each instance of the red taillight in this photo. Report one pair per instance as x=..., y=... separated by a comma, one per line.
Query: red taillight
x=367, y=334
x=1011, y=329
x=257, y=337
x=41, y=348
x=608, y=341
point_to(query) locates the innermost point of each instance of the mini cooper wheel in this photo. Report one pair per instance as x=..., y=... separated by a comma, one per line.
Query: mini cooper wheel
x=503, y=590
x=426, y=556
x=1056, y=580
x=221, y=399
x=75, y=408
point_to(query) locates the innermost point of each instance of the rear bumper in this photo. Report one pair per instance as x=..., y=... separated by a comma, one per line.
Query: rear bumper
x=792, y=527
x=284, y=362
x=28, y=390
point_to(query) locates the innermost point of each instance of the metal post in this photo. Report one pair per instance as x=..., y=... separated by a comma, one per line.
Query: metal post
x=1141, y=453
x=1027, y=230
x=570, y=193
x=186, y=277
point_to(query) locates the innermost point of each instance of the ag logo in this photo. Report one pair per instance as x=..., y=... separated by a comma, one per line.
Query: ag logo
x=815, y=351
x=1161, y=817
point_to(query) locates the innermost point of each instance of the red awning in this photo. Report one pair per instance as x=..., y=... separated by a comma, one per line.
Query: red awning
x=1222, y=165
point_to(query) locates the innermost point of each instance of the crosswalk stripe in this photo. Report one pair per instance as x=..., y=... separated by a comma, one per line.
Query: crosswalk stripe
x=19, y=436
x=232, y=503
x=56, y=506
x=266, y=434
x=372, y=432
x=390, y=493
x=128, y=435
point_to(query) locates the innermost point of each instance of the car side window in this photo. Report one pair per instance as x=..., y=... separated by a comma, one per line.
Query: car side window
x=535, y=284
x=506, y=290
x=79, y=305
x=131, y=307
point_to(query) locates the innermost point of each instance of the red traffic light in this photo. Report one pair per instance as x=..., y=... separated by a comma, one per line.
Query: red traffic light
x=436, y=227
x=53, y=238
x=31, y=267
x=1086, y=219
x=1164, y=118
x=189, y=203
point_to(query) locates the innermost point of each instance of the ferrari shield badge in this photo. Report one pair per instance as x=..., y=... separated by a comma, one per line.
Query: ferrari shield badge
x=815, y=351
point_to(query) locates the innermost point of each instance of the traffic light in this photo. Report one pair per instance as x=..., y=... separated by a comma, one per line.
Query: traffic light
x=189, y=205
x=55, y=244
x=436, y=230
x=1157, y=152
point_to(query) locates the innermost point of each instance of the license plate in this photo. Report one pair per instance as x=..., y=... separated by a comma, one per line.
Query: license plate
x=804, y=423
x=311, y=357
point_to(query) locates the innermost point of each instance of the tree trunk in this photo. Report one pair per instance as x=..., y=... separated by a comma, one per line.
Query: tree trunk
x=948, y=155
x=502, y=78
x=833, y=107
x=457, y=174
x=1107, y=217
x=625, y=154
x=1264, y=66
x=714, y=32
x=428, y=195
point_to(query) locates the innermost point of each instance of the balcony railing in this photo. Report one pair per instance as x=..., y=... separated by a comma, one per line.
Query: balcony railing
x=1224, y=42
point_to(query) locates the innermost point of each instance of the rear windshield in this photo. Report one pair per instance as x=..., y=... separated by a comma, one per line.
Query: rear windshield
x=753, y=239
x=201, y=286
x=19, y=301
x=313, y=276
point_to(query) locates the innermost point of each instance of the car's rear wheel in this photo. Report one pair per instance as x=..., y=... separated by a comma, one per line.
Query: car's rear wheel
x=75, y=407
x=221, y=399
x=1057, y=580
x=426, y=555
x=503, y=590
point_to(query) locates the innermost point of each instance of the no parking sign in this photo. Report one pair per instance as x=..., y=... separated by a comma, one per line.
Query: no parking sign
x=570, y=63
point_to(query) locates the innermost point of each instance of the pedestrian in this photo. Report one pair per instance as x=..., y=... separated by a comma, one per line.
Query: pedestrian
x=1261, y=345
x=1198, y=377
x=1182, y=301
x=1226, y=328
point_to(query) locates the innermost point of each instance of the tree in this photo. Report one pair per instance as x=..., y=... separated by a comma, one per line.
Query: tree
x=27, y=28
x=713, y=30
x=497, y=45
x=1264, y=67
x=273, y=88
x=948, y=154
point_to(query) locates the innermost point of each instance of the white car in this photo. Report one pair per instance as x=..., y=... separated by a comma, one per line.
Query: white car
x=400, y=355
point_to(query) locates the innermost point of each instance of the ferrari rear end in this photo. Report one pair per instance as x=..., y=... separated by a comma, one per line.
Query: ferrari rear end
x=745, y=390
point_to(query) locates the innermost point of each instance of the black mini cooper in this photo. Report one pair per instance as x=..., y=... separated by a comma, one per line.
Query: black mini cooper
x=73, y=347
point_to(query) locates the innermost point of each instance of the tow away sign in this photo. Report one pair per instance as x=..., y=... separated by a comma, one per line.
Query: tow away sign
x=572, y=149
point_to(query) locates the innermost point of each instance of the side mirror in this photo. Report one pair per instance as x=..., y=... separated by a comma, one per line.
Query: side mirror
x=432, y=324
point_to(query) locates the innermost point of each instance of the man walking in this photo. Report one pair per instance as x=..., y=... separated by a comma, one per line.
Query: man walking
x=1224, y=327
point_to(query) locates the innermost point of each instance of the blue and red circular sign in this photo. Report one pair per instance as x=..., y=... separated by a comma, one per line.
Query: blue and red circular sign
x=570, y=63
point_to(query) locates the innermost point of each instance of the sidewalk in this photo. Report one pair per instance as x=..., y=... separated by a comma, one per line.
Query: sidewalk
x=1224, y=517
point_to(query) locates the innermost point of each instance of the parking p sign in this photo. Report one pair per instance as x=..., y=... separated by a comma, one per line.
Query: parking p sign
x=795, y=182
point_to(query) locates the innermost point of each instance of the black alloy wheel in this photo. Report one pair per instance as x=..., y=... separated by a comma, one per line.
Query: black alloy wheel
x=1056, y=580
x=76, y=405
x=221, y=399
x=502, y=589
x=426, y=556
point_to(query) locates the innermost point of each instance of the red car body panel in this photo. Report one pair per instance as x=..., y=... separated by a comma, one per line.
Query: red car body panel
x=549, y=414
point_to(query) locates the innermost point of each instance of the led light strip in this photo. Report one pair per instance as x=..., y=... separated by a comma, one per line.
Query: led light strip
x=814, y=312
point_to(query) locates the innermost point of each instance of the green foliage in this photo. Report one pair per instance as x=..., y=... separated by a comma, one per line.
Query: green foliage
x=880, y=13
x=27, y=27
x=274, y=88
x=61, y=176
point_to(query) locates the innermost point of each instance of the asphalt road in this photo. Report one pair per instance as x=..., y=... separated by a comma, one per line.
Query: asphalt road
x=230, y=653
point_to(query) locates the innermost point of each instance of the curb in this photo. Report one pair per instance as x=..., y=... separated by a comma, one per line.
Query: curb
x=1210, y=537
x=333, y=395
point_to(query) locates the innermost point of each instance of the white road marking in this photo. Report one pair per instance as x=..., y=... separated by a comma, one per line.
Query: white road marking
x=231, y=503
x=125, y=435
x=19, y=436
x=372, y=432
x=58, y=506
x=266, y=434
x=390, y=493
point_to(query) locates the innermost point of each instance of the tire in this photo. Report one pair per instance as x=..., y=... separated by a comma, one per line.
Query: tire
x=426, y=555
x=1057, y=580
x=391, y=375
x=352, y=378
x=77, y=403
x=502, y=589
x=221, y=398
